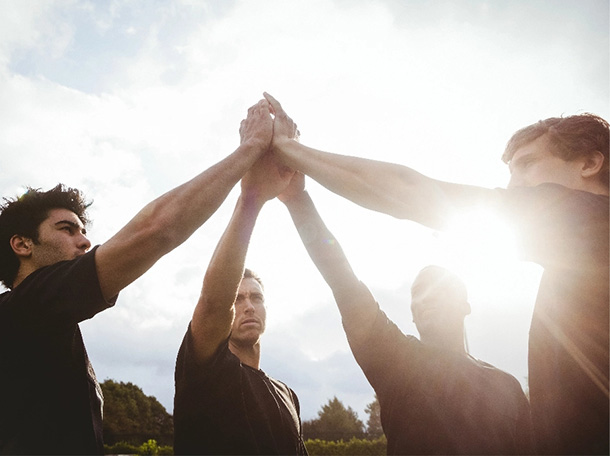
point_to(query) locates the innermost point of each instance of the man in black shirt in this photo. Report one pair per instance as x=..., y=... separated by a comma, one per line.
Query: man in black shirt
x=435, y=398
x=224, y=403
x=50, y=400
x=558, y=199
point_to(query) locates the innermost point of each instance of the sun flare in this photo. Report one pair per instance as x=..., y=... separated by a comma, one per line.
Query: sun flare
x=480, y=245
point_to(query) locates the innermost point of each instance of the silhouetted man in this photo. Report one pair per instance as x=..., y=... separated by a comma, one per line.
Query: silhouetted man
x=435, y=398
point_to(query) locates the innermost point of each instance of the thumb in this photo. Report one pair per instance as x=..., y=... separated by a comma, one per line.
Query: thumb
x=275, y=105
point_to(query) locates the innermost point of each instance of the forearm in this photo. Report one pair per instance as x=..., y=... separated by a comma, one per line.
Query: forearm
x=226, y=266
x=213, y=315
x=321, y=245
x=356, y=304
x=389, y=188
x=177, y=214
x=168, y=221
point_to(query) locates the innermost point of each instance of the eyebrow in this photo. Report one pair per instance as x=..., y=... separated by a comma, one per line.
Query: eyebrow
x=520, y=161
x=253, y=294
x=74, y=225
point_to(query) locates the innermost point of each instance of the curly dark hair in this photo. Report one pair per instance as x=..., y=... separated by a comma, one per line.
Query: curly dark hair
x=23, y=216
x=570, y=137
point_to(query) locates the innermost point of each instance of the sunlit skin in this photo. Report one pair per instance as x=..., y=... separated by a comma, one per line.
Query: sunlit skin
x=534, y=164
x=438, y=311
x=61, y=236
x=250, y=318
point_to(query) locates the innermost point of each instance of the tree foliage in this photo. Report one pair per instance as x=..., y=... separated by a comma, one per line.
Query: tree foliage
x=334, y=422
x=376, y=447
x=133, y=417
x=373, y=424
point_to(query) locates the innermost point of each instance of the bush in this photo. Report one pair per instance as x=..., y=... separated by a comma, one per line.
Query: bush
x=147, y=448
x=353, y=446
x=120, y=448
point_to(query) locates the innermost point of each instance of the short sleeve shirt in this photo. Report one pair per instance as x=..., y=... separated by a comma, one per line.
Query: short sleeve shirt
x=441, y=402
x=50, y=400
x=226, y=407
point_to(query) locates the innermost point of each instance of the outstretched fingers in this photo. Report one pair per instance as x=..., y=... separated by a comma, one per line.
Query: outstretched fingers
x=275, y=106
x=284, y=126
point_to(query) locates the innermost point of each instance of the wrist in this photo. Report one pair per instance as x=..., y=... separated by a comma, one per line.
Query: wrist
x=255, y=146
x=252, y=198
x=295, y=199
x=281, y=144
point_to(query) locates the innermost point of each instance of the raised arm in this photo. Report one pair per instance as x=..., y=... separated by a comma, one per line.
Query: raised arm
x=169, y=220
x=214, y=313
x=384, y=187
x=356, y=303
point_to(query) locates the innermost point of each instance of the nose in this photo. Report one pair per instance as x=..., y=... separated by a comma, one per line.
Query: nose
x=519, y=178
x=84, y=243
x=248, y=305
x=513, y=182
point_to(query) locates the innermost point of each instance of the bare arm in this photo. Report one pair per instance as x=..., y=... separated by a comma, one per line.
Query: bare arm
x=384, y=187
x=214, y=313
x=356, y=303
x=169, y=220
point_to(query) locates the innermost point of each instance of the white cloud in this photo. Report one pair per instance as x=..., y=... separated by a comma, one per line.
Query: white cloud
x=128, y=99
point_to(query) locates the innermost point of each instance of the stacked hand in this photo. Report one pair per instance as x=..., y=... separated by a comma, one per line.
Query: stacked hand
x=257, y=129
x=284, y=128
x=268, y=177
x=295, y=188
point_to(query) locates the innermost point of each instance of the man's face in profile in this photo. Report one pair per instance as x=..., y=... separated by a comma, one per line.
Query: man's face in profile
x=534, y=164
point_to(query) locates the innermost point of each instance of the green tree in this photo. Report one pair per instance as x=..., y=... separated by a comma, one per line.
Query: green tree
x=133, y=417
x=334, y=422
x=373, y=424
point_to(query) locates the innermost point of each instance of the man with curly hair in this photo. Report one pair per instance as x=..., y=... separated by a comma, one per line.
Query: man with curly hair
x=50, y=400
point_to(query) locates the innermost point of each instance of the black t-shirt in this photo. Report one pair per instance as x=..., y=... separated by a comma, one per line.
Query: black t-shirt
x=437, y=401
x=50, y=400
x=566, y=232
x=226, y=407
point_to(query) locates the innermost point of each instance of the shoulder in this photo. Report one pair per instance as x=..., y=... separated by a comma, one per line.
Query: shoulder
x=383, y=333
x=500, y=376
x=67, y=288
x=186, y=356
x=551, y=195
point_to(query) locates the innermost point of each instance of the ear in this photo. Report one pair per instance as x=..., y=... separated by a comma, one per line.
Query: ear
x=592, y=164
x=21, y=245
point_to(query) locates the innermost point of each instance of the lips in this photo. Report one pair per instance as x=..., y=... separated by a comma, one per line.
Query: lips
x=249, y=321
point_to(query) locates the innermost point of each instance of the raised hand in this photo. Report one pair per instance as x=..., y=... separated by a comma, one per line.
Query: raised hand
x=266, y=179
x=257, y=128
x=284, y=128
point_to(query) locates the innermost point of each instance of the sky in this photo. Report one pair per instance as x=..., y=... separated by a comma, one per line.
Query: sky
x=127, y=99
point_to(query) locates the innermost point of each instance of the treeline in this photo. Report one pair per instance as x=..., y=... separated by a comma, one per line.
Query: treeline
x=132, y=417
x=335, y=422
x=135, y=423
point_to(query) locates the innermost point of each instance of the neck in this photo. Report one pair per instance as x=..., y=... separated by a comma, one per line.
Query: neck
x=249, y=355
x=595, y=186
x=452, y=341
x=22, y=273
